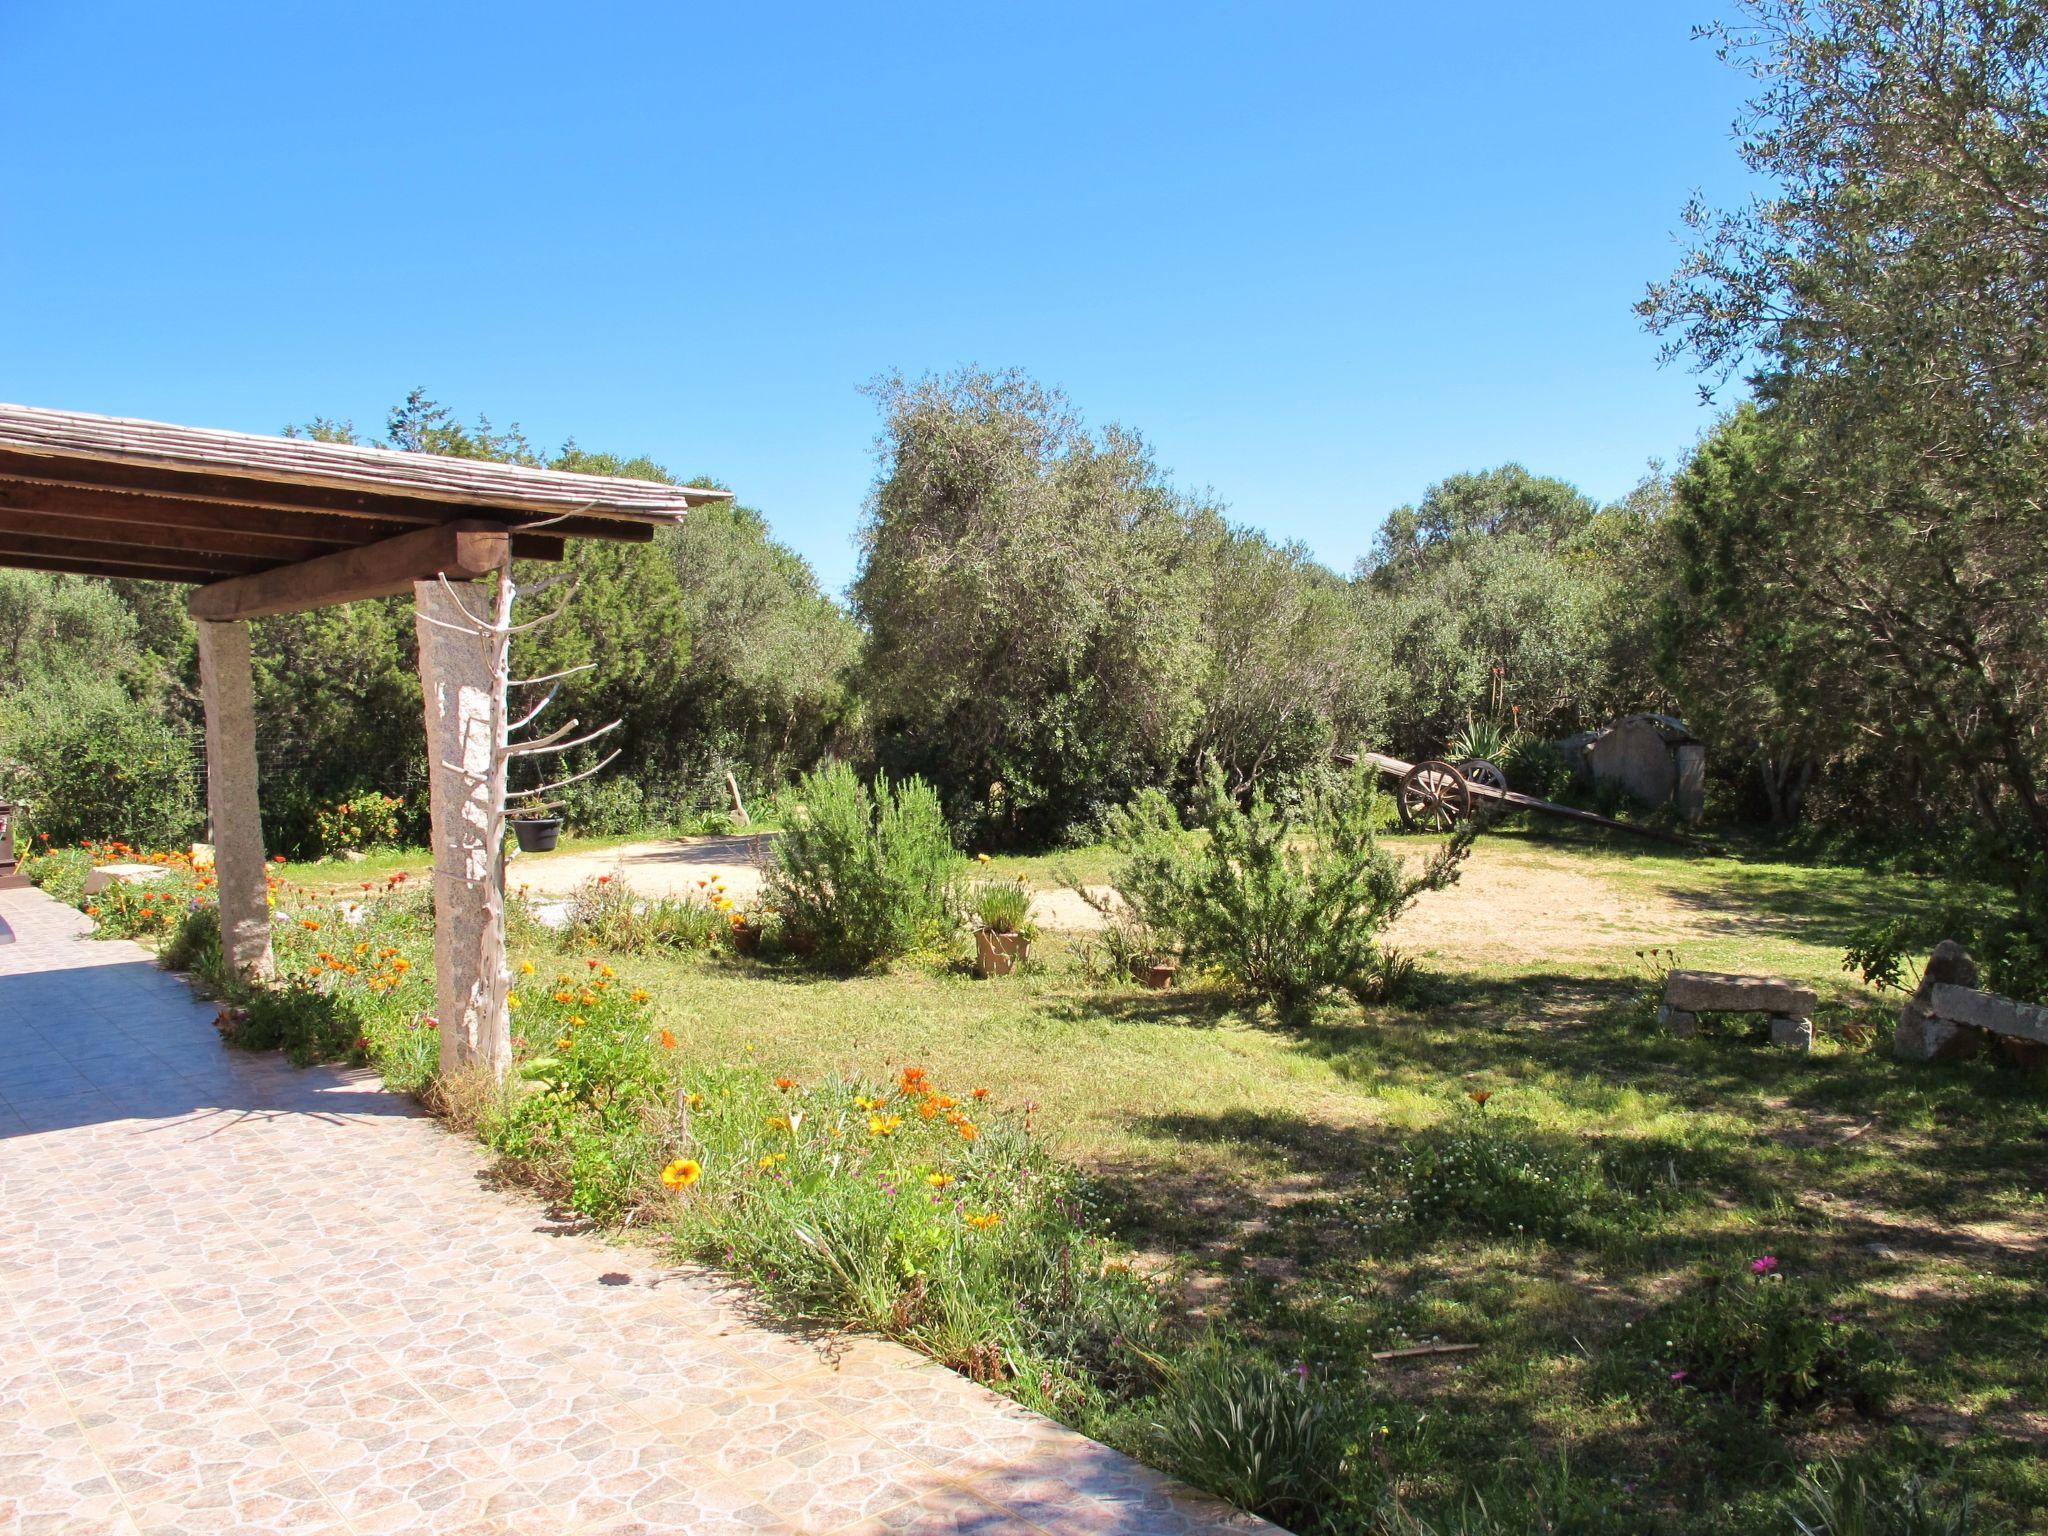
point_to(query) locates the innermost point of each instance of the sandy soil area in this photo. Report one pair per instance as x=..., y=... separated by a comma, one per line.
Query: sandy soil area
x=1511, y=903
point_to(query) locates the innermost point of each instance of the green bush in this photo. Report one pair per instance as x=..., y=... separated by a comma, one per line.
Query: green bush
x=91, y=763
x=605, y=914
x=591, y=1112
x=1265, y=1438
x=610, y=805
x=367, y=819
x=1836, y=1499
x=1288, y=913
x=1763, y=1337
x=860, y=878
x=1498, y=1174
x=920, y=1214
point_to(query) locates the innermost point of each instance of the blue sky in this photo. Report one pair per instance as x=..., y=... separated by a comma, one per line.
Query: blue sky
x=1321, y=255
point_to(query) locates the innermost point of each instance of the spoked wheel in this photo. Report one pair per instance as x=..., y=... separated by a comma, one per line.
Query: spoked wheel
x=1434, y=797
x=1478, y=771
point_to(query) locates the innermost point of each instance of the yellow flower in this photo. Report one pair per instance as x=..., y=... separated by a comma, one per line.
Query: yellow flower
x=526, y=967
x=884, y=1125
x=640, y=997
x=682, y=1173
x=564, y=1043
x=981, y=857
x=983, y=1221
x=605, y=970
x=511, y=1001
x=773, y=1158
x=938, y=1180
x=575, y=1021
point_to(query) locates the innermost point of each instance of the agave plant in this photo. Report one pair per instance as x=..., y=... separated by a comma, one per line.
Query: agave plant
x=1483, y=737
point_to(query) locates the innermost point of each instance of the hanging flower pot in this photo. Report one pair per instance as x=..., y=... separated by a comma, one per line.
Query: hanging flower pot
x=998, y=954
x=537, y=834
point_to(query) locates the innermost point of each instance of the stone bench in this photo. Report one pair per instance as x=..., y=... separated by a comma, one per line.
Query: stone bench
x=1688, y=994
x=1947, y=1016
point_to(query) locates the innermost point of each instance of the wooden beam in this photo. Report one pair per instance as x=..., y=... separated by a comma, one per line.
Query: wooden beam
x=154, y=536
x=61, y=566
x=460, y=551
x=197, y=564
x=89, y=504
x=284, y=496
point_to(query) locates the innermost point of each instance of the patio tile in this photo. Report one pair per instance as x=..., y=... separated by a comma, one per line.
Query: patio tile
x=235, y=1296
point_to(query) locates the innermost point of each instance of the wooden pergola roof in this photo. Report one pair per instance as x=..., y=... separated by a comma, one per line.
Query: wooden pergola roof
x=107, y=496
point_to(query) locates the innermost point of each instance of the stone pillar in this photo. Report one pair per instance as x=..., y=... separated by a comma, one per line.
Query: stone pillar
x=465, y=705
x=231, y=803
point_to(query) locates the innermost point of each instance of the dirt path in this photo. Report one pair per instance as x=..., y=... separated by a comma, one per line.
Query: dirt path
x=1512, y=903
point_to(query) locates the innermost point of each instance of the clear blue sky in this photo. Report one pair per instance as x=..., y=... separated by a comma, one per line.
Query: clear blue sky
x=1321, y=255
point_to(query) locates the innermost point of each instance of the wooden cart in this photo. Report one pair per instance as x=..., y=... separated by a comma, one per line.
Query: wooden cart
x=1436, y=795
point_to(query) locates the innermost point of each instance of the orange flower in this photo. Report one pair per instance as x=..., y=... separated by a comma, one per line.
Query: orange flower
x=564, y=1043
x=784, y=1084
x=981, y=1093
x=969, y=1131
x=668, y=1040
x=565, y=997
x=914, y=1079
x=309, y=925
x=640, y=996
x=682, y=1173
x=983, y=1221
x=1480, y=1095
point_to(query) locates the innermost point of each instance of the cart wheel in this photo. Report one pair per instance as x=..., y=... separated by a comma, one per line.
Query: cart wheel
x=1479, y=771
x=1433, y=797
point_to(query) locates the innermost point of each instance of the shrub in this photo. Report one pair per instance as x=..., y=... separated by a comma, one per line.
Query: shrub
x=604, y=913
x=367, y=819
x=1764, y=1337
x=1001, y=906
x=918, y=1214
x=1263, y=1437
x=1834, y=1499
x=591, y=1114
x=1289, y=920
x=91, y=763
x=607, y=806
x=1497, y=1173
x=861, y=877
x=1536, y=768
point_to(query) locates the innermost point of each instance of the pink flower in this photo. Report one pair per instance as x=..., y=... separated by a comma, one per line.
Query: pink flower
x=1763, y=1266
x=1680, y=1375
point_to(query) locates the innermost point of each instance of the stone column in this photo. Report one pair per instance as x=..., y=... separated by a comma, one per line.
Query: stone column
x=465, y=706
x=231, y=802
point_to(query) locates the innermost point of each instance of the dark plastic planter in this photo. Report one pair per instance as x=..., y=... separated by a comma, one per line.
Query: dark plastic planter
x=537, y=834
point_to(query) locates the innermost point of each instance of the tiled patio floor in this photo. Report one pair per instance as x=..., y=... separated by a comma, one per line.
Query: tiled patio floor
x=235, y=1296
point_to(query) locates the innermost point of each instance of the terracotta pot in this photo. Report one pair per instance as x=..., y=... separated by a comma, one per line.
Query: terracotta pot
x=746, y=938
x=998, y=954
x=1159, y=975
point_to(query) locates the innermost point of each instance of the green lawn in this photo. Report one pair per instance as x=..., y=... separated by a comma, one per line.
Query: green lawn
x=1252, y=1158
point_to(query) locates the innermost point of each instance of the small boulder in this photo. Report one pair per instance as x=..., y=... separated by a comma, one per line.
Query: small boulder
x=1790, y=1033
x=1921, y=1036
x=104, y=875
